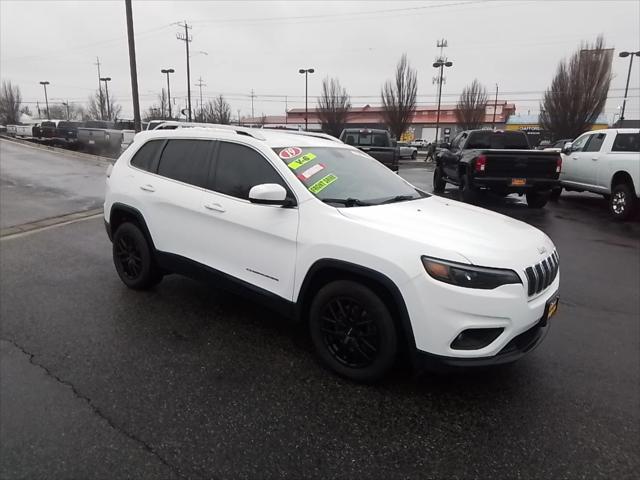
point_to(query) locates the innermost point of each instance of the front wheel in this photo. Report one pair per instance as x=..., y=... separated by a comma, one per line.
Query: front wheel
x=439, y=182
x=133, y=258
x=414, y=155
x=537, y=199
x=622, y=203
x=352, y=331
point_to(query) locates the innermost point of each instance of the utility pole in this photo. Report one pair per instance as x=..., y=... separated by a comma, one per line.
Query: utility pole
x=101, y=103
x=132, y=67
x=252, y=97
x=46, y=99
x=186, y=38
x=200, y=84
x=286, y=111
x=495, y=107
x=238, y=117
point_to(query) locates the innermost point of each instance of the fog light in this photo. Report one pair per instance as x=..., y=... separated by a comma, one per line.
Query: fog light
x=475, y=338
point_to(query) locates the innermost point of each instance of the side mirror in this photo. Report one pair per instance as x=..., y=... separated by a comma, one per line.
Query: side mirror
x=567, y=148
x=269, y=194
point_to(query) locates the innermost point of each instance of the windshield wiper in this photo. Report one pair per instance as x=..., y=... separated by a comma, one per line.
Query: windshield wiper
x=347, y=202
x=399, y=198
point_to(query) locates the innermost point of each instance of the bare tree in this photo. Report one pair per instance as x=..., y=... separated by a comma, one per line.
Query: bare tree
x=471, y=107
x=578, y=92
x=97, y=107
x=399, y=97
x=163, y=100
x=217, y=111
x=333, y=106
x=10, y=100
x=26, y=110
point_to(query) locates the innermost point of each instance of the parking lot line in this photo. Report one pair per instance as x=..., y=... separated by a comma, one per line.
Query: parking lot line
x=48, y=223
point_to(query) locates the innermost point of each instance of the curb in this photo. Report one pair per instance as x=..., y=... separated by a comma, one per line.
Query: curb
x=48, y=222
x=68, y=153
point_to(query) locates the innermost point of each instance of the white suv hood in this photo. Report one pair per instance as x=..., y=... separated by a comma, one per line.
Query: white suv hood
x=483, y=237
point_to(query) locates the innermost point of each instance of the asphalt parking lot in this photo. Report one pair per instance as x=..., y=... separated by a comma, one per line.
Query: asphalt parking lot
x=186, y=381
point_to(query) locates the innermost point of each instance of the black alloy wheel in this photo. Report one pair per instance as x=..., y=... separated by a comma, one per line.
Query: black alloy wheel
x=133, y=258
x=439, y=183
x=352, y=331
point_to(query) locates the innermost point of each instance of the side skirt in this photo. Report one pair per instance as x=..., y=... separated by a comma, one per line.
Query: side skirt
x=177, y=264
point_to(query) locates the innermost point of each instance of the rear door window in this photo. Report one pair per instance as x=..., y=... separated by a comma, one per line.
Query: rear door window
x=187, y=161
x=239, y=168
x=626, y=142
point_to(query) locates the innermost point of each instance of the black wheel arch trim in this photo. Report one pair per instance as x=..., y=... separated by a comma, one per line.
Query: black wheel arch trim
x=305, y=295
x=135, y=213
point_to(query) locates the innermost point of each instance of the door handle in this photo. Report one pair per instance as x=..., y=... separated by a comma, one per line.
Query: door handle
x=147, y=188
x=595, y=159
x=216, y=207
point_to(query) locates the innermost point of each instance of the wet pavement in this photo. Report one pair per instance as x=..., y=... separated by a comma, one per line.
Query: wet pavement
x=188, y=381
x=37, y=184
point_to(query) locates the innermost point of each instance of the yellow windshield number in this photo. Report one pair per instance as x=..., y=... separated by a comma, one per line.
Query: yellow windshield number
x=322, y=183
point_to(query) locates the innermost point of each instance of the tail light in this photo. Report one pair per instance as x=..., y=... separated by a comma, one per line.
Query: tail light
x=559, y=164
x=481, y=163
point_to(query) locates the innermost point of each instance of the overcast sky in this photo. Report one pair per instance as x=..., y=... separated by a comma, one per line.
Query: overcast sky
x=261, y=46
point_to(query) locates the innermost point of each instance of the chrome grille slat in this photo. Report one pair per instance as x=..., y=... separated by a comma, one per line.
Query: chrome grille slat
x=542, y=274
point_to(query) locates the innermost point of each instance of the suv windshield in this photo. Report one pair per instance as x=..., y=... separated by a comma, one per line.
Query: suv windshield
x=346, y=177
x=498, y=140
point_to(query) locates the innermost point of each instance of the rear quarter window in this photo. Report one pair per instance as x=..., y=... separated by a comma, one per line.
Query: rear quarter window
x=145, y=157
x=626, y=142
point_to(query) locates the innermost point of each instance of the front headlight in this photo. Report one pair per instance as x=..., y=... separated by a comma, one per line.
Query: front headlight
x=468, y=276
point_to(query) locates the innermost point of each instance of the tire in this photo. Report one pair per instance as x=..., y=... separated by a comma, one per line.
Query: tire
x=439, y=183
x=414, y=155
x=623, y=202
x=555, y=194
x=468, y=193
x=352, y=331
x=537, y=199
x=133, y=258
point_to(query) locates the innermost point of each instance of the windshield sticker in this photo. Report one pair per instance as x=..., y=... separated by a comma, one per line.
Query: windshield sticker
x=311, y=171
x=306, y=158
x=290, y=152
x=323, y=183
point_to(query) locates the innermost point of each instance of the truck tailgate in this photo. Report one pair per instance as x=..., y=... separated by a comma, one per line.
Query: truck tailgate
x=521, y=163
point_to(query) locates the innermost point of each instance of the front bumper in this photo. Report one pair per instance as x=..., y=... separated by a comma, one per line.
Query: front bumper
x=440, y=312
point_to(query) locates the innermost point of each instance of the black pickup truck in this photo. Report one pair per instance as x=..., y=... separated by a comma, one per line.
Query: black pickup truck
x=377, y=143
x=501, y=162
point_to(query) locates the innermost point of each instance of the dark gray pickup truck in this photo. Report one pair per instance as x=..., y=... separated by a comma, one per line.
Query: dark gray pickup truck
x=501, y=162
x=377, y=143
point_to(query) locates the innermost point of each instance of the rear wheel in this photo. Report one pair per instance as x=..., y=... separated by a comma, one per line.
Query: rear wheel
x=414, y=155
x=352, y=331
x=537, y=199
x=439, y=182
x=468, y=193
x=622, y=203
x=133, y=258
x=554, y=196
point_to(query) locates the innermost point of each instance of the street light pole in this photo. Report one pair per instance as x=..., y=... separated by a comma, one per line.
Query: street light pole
x=441, y=63
x=46, y=99
x=626, y=88
x=495, y=107
x=67, y=105
x=187, y=38
x=306, y=72
x=106, y=88
x=168, y=71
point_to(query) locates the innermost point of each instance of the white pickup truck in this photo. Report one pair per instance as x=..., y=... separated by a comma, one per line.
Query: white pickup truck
x=605, y=162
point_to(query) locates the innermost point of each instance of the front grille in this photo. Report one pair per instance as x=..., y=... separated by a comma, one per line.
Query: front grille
x=543, y=274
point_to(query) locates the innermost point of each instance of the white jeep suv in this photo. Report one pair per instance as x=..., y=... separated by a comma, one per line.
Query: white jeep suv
x=326, y=234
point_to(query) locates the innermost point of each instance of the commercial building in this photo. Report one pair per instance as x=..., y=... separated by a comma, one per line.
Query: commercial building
x=531, y=125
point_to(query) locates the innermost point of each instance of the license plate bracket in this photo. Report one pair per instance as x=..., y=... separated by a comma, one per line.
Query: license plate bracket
x=551, y=308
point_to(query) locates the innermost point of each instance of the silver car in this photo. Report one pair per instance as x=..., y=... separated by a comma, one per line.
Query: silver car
x=407, y=151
